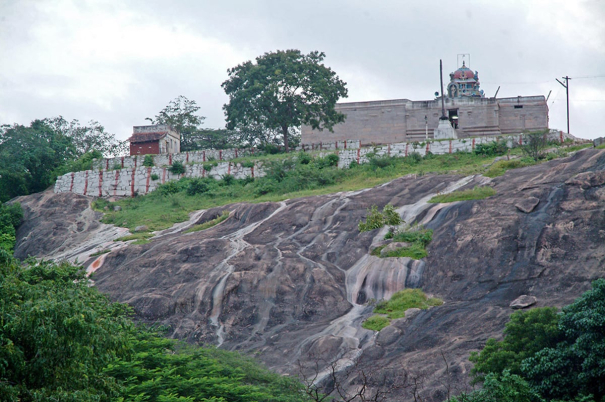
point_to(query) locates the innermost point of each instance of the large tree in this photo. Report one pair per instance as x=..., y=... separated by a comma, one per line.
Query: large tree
x=283, y=89
x=30, y=157
x=181, y=114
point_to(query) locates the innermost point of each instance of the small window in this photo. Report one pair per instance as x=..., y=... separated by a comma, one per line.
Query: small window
x=518, y=106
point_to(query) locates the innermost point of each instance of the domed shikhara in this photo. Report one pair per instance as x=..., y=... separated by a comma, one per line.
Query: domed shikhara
x=464, y=82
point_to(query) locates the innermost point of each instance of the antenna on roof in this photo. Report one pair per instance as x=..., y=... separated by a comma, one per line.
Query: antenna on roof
x=464, y=57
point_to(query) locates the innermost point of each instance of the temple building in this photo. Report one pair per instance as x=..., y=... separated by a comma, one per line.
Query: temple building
x=469, y=112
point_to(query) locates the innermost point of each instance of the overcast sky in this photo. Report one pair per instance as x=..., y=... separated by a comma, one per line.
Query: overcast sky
x=118, y=62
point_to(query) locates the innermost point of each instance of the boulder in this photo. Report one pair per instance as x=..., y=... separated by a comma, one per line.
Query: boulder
x=587, y=180
x=394, y=246
x=523, y=301
x=387, y=336
x=142, y=228
x=117, y=208
x=527, y=204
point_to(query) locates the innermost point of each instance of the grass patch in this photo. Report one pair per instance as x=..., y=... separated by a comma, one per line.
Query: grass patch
x=209, y=224
x=404, y=300
x=415, y=251
x=136, y=236
x=376, y=323
x=98, y=253
x=500, y=167
x=385, y=311
x=477, y=193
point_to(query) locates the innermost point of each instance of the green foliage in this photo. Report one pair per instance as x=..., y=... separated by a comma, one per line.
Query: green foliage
x=31, y=157
x=500, y=167
x=526, y=333
x=206, y=225
x=61, y=340
x=148, y=161
x=116, y=166
x=576, y=365
x=180, y=114
x=154, y=177
x=534, y=144
x=163, y=370
x=177, y=168
x=84, y=162
x=304, y=158
x=376, y=219
x=227, y=180
x=57, y=335
x=404, y=300
x=376, y=323
x=415, y=251
x=200, y=186
x=501, y=388
x=10, y=219
x=493, y=148
x=477, y=193
x=284, y=89
x=135, y=236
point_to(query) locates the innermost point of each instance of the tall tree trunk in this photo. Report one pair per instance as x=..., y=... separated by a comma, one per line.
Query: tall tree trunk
x=285, y=131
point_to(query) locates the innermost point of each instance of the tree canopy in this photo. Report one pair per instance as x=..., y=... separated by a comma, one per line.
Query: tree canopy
x=30, y=156
x=181, y=114
x=557, y=356
x=62, y=340
x=283, y=89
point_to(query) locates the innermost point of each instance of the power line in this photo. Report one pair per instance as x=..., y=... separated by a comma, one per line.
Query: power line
x=591, y=76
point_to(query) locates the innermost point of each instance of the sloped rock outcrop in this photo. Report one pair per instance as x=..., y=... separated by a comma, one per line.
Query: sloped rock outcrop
x=291, y=281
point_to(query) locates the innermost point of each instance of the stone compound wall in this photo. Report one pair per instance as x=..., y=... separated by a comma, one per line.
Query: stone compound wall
x=164, y=160
x=131, y=180
x=138, y=181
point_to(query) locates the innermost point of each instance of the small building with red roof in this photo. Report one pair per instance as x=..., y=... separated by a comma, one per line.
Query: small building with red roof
x=154, y=140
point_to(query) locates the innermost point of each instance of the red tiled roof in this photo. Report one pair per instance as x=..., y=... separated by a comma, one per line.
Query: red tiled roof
x=146, y=137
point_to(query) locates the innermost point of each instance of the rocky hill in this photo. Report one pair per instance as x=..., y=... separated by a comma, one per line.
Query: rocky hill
x=291, y=281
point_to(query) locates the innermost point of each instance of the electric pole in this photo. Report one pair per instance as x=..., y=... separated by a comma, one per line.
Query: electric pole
x=566, y=86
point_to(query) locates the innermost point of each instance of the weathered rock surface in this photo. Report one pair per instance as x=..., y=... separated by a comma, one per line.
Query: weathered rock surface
x=289, y=280
x=523, y=301
x=527, y=204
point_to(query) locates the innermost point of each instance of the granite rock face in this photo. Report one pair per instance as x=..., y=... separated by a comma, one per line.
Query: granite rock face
x=291, y=281
x=523, y=301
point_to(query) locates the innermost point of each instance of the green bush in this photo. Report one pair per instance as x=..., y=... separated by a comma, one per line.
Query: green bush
x=10, y=219
x=177, y=168
x=200, y=186
x=117, y=166
x=493, y=148
x=84, y=162
x=170, y=187
x=500, y=167
x=228, y=180
x=247, y=164
x=413, y=158
x=154, y=177
x=376, y=219
x=148, y=161
x=304, y=158
x=62, y=340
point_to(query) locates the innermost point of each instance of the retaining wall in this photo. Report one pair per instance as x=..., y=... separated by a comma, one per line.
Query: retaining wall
x=136, y=179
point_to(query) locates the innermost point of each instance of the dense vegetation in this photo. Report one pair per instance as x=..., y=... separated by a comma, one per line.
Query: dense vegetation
x=547, y=356
x=32, y=157
x=396, y=307
x=61, y=340
x=10, y=219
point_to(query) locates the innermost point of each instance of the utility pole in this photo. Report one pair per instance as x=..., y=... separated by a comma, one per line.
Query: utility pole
x=566, y=86
x=442, y=100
